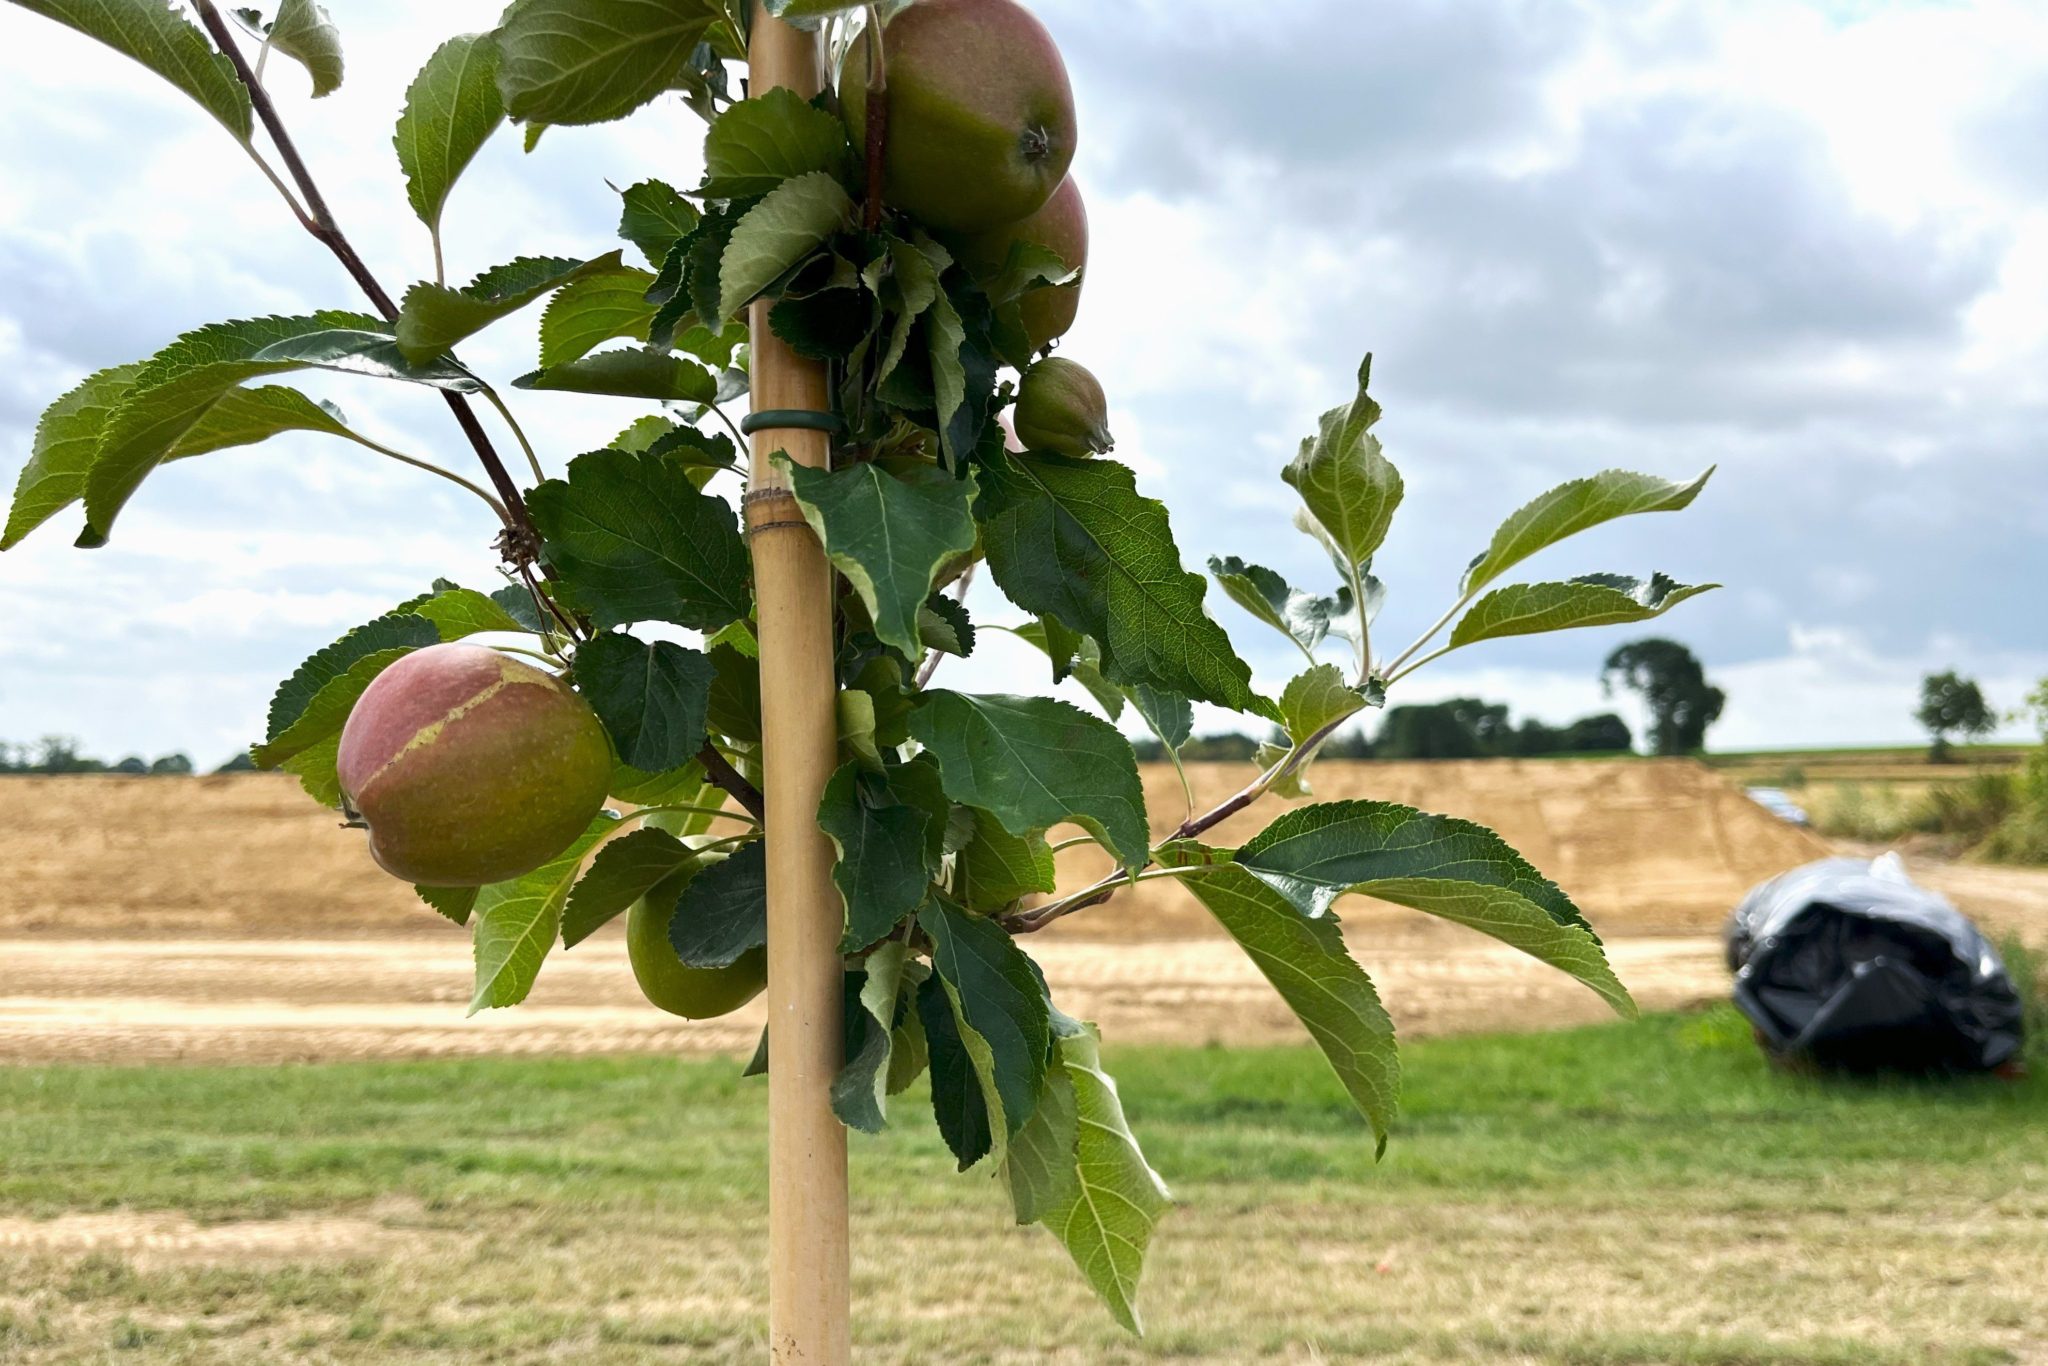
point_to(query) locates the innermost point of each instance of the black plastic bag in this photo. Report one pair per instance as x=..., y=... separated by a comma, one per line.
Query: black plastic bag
x=1851, y=965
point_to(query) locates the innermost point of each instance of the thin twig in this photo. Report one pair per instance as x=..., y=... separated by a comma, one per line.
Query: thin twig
x=1037, y=918
x=522, y=541
x=877, y=97
x=518, y=433
x=730, y=780
x=1394, y=669
x=450, y=475
x=933, y=658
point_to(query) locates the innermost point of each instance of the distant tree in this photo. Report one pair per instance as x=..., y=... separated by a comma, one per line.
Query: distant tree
x=56, y=754
x=1349, y=744
x=1430, y=731
x=172, y=765
x=1220, y=749
x=1602, y=734
x=1674, y=685
x=242, y=763
x=1952, y=705
x=134, y=764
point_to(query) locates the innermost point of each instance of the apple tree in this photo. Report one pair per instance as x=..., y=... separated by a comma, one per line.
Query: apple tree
x=584, y=741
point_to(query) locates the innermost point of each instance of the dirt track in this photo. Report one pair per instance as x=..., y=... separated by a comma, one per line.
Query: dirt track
x=134, y=928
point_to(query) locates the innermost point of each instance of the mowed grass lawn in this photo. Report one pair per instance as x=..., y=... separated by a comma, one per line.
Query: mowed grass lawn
x=1645, y=1193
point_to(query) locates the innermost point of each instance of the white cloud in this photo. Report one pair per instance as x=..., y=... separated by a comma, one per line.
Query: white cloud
x=1800, y=240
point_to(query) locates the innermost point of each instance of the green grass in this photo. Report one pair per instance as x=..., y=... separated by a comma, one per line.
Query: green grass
x=1623, y=1194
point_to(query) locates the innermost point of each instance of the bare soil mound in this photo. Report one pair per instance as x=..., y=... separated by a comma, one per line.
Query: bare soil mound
x=230, y=919
x=1646, y=847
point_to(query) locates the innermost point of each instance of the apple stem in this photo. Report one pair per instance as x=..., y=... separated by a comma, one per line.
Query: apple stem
x=878, y=119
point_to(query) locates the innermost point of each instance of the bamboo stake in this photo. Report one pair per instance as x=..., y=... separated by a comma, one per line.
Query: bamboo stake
x=808, y=1288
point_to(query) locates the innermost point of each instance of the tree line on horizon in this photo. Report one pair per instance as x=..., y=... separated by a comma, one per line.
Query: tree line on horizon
x=57, y=754
x=1672, y=682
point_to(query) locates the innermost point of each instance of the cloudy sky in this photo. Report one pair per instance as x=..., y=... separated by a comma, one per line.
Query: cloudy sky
x=1807, y=243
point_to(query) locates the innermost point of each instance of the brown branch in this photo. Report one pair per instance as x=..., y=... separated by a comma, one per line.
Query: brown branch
x=1031, y=921
x=521, y=543
x=877, y=97
x=729, y=780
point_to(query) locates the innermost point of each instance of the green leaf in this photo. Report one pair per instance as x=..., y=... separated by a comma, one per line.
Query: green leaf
x=402, y=631
x=913, y=282
x=909, y=1051
x=635, y=540
x=723, y=914
x=591, y=61
x=586, y=313
x=1349, y=487
x=736, y=694
x=634, y=372
x=683, y=785
x=701, y=453
x=176, y=388
x=517, y=602
x=434, y=318
x=244, y=417
x=315, y=769
x=690, y=273
x=1039, y=1167
x=1029, y=266
x=1526, y=609
x=943, y=625
x=883, y=869
x=776, y=234
x=1301, y=616
x=1167, y=715
x=995, y=867
x=1317, y=698
x=157, y=34
x=651, y=697
x=517, y=922
x=67, y=438
x=1440, y=865
x=654, y=217
x=451, y=109
x=304, y=32
x=328, y=710
x=1104, y=1200
x=1033, y=762
x=458, y=613
x=999, y=1005
x=624, y=870
x=757, y=144
x=957, y=1103
x=455, y=903
x=1073, y=540
x=946, y=336
x=860, y=1094
x=888, y=534
x=1571, y=508
x=1306, y=961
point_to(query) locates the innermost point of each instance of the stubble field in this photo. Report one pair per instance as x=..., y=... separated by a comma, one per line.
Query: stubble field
x=406, y=1193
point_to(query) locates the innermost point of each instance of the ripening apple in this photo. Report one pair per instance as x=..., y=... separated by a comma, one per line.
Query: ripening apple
x=1061, y=227
x=981, y=116
x=1061, y=408
x=471, y=767
x=693, y=993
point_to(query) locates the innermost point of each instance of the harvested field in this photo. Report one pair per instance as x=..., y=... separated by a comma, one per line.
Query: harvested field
x=229, y=919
